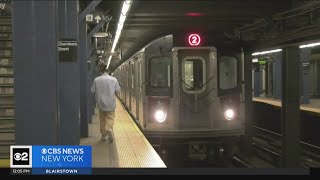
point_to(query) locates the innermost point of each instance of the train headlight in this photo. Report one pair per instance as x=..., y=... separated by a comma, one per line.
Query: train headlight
x=229, y=114
x=160, y=116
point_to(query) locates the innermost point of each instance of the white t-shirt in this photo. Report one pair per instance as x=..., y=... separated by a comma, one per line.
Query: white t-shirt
x=104, y=88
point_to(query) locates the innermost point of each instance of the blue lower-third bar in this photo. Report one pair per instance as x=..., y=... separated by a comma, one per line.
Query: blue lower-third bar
x=62, y=171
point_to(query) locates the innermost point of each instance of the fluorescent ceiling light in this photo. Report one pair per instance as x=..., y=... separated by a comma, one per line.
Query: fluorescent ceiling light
x=266, y=52
x=122, y=19
x=100, y=34
x=309, y=45
x=123, y=15
x=125, y=7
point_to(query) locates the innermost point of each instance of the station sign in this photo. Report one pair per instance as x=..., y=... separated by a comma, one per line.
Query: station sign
x=89, y=18
x=262, y=61
x=5, y=8
x=93, y=18
x=68, y=50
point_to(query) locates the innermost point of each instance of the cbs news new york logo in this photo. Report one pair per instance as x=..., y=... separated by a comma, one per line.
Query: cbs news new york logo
x=20, y=156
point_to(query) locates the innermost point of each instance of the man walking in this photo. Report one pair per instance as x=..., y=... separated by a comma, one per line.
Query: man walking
x=105, y=87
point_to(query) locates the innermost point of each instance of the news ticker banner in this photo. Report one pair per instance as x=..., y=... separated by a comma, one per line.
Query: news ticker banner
x=50, y=159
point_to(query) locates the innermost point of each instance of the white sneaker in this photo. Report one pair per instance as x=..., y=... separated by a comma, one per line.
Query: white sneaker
x=103, y=138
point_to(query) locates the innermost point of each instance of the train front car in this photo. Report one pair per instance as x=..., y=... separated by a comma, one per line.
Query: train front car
x=206, y=93
x=191, y=96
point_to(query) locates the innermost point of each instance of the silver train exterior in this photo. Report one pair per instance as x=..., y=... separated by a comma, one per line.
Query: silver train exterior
x=183, y=92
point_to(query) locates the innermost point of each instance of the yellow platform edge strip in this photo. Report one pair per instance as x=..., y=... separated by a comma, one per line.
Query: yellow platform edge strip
x=163, y=165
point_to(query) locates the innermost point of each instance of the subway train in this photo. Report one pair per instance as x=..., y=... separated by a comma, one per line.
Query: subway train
x=184, y=92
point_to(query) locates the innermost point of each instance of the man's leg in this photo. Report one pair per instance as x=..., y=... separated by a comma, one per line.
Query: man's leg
x=110, y=121
x=103, y=130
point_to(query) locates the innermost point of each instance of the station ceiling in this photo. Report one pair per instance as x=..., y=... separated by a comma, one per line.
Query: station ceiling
x=251, y=21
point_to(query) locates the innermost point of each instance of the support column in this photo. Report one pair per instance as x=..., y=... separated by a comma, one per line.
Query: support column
x=277, y=76
x=35, y=72
x=84, y=132
x=89, y=79
x=248, y=124
x=93, y=63
x=68, y=74
x=290, y=111
x=83, y=56
x=305, y=75
x=257, y=82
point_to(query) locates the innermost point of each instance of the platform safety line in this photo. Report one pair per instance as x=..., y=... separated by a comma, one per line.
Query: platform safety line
x=141, y=134
x=124, y=120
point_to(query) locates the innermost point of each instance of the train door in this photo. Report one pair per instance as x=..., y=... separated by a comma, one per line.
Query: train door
x=138, y=89
x=133, y=90
x=121, y=75
x=142, y=91
x=127, y=86
x=196, y=87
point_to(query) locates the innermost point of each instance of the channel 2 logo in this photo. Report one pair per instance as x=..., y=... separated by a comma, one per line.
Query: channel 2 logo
x=20, y=156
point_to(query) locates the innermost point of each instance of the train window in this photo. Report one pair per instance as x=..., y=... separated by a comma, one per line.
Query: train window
x=188, y=74
x=159, y=72
x=228, y=72
x=193, y=74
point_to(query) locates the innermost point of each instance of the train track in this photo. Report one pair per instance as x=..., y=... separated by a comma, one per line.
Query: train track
x=268, y=147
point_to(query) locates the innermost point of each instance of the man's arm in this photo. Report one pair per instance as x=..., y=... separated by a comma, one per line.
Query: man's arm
x=117, y=90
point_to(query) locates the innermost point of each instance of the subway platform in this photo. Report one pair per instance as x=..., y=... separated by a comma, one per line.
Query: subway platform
x=130, y=148
x=313, y=106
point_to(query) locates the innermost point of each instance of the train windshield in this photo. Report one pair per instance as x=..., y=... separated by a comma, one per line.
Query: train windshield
x=193, y=74
x=160, y=72
x=228, y=72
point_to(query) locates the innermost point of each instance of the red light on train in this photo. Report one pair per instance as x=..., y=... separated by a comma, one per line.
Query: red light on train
x=194, y=39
